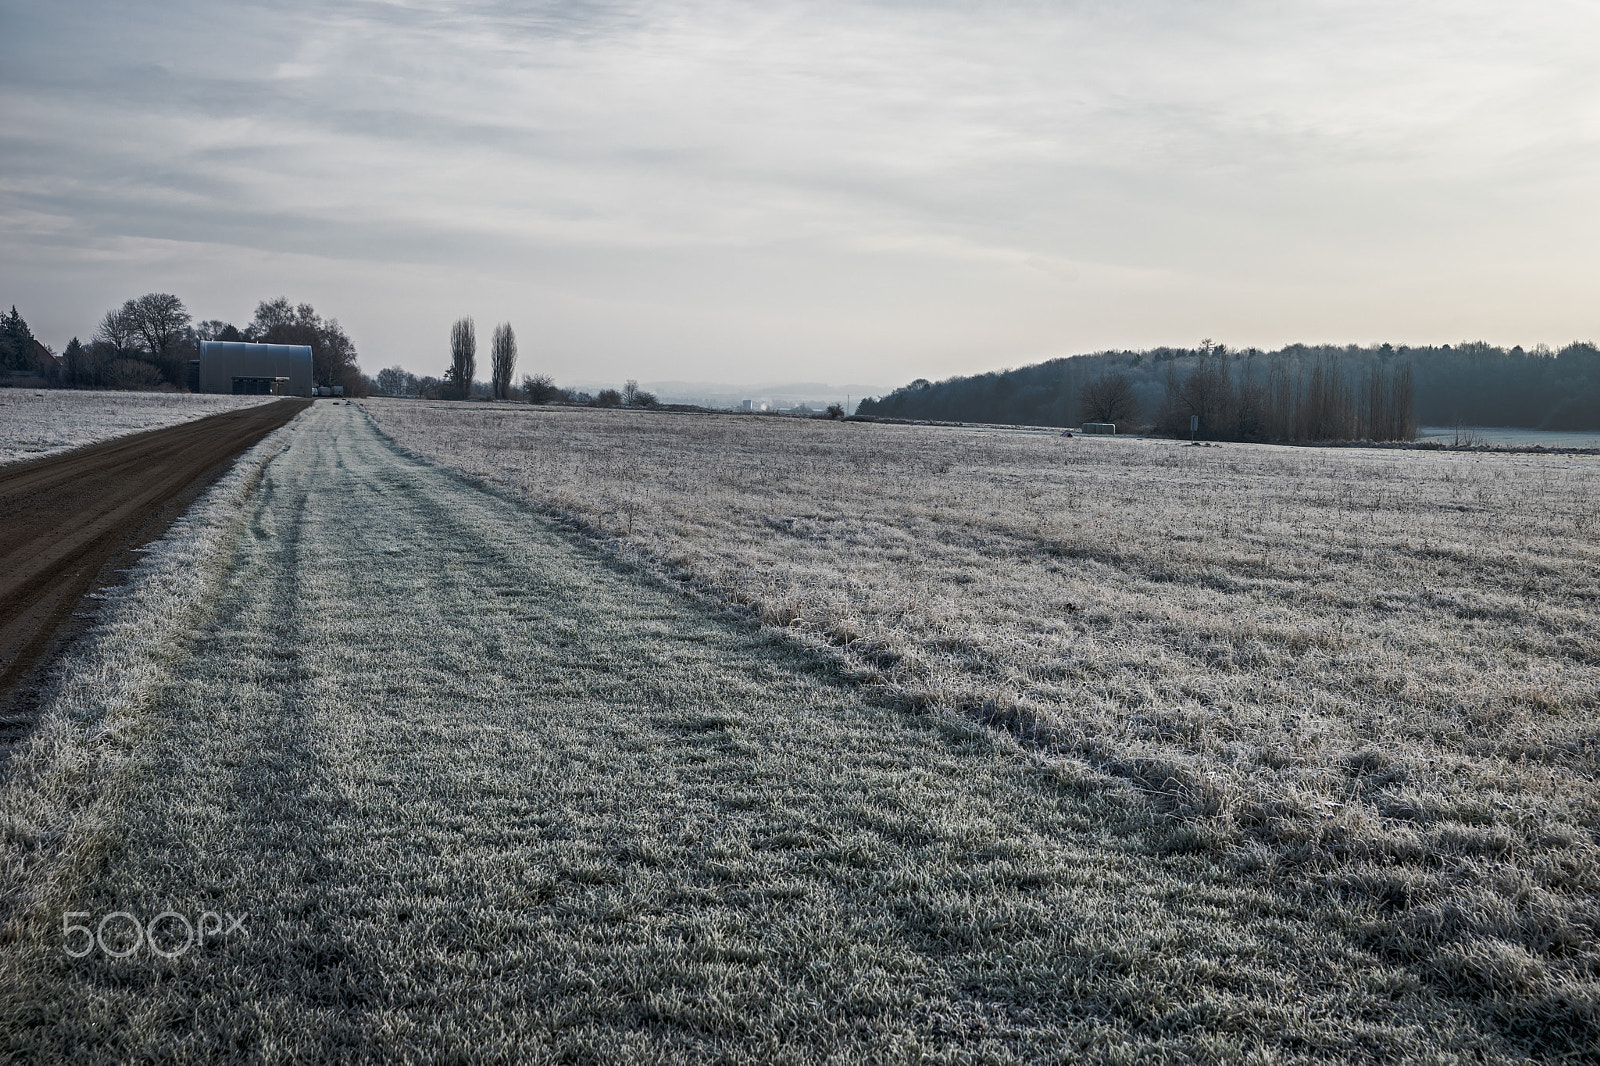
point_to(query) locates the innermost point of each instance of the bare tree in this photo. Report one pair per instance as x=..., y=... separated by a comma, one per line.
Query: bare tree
x=1389, y=412
x=1208, y=394
x=463, y=357
x=116, y=329
x=1404, y=399
x=1328, y=404
x=1108, y=398
x=503, y=356
x=333, y=354
x=159, y=319
x=276, y=314
x=397, y=381
x=152, y=327
x=1252, y=402
x=634, y=396
x=214, y=329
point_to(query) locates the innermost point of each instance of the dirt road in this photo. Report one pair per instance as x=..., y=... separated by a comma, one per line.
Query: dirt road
x=66, y=518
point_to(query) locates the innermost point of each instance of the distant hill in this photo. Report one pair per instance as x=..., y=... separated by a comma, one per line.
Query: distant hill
x=1467, y=384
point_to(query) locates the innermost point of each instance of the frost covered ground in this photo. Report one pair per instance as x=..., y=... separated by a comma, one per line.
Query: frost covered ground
x=482, y=791
x=39, y=422
x=1372, y=677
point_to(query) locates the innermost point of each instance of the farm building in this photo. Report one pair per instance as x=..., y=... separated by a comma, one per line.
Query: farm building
x=251, y=369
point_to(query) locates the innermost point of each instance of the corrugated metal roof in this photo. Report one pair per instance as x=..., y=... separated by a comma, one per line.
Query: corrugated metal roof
x=224, y=348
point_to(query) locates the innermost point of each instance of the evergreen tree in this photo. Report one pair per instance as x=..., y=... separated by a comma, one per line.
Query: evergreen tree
x=16, y=342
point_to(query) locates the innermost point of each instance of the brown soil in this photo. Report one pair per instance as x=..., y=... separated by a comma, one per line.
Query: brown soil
x=71, y=522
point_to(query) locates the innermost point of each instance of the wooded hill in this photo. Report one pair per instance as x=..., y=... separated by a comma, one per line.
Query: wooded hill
x=1295, y=393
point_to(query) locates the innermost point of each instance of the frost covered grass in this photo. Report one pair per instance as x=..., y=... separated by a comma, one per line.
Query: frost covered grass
x=1369, y=677
x=65, y=783
x=487, y=793
x=39, y=422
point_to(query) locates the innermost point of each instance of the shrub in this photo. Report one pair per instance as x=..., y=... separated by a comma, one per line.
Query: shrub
x=539, y=388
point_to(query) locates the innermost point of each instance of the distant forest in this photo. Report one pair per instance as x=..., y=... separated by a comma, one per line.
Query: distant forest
x=1296, y=393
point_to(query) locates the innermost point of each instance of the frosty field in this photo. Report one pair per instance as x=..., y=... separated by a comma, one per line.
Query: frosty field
x=1371, y=676
x=40, y=422
x=698, y=739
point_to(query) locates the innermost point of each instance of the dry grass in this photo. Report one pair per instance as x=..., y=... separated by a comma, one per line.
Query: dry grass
x=39, y=422
x=1370, y=676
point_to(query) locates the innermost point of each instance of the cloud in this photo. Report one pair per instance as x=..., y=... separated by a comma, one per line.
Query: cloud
x=701, y=188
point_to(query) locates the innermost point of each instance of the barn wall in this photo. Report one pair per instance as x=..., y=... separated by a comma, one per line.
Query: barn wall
x=222, y=361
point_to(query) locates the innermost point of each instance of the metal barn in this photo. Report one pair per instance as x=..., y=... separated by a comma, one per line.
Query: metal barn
x=252, y=369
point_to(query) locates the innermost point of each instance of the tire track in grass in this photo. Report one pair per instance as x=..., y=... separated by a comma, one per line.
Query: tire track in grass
x=241, y=806
x=486, y=795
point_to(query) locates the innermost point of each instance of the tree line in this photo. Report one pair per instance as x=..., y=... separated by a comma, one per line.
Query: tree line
x=534, y=389
x=459, y=382
x=1295, y=393
x=148, y=341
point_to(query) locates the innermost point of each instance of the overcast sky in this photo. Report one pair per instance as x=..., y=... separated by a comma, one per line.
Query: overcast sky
x=835, y=192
